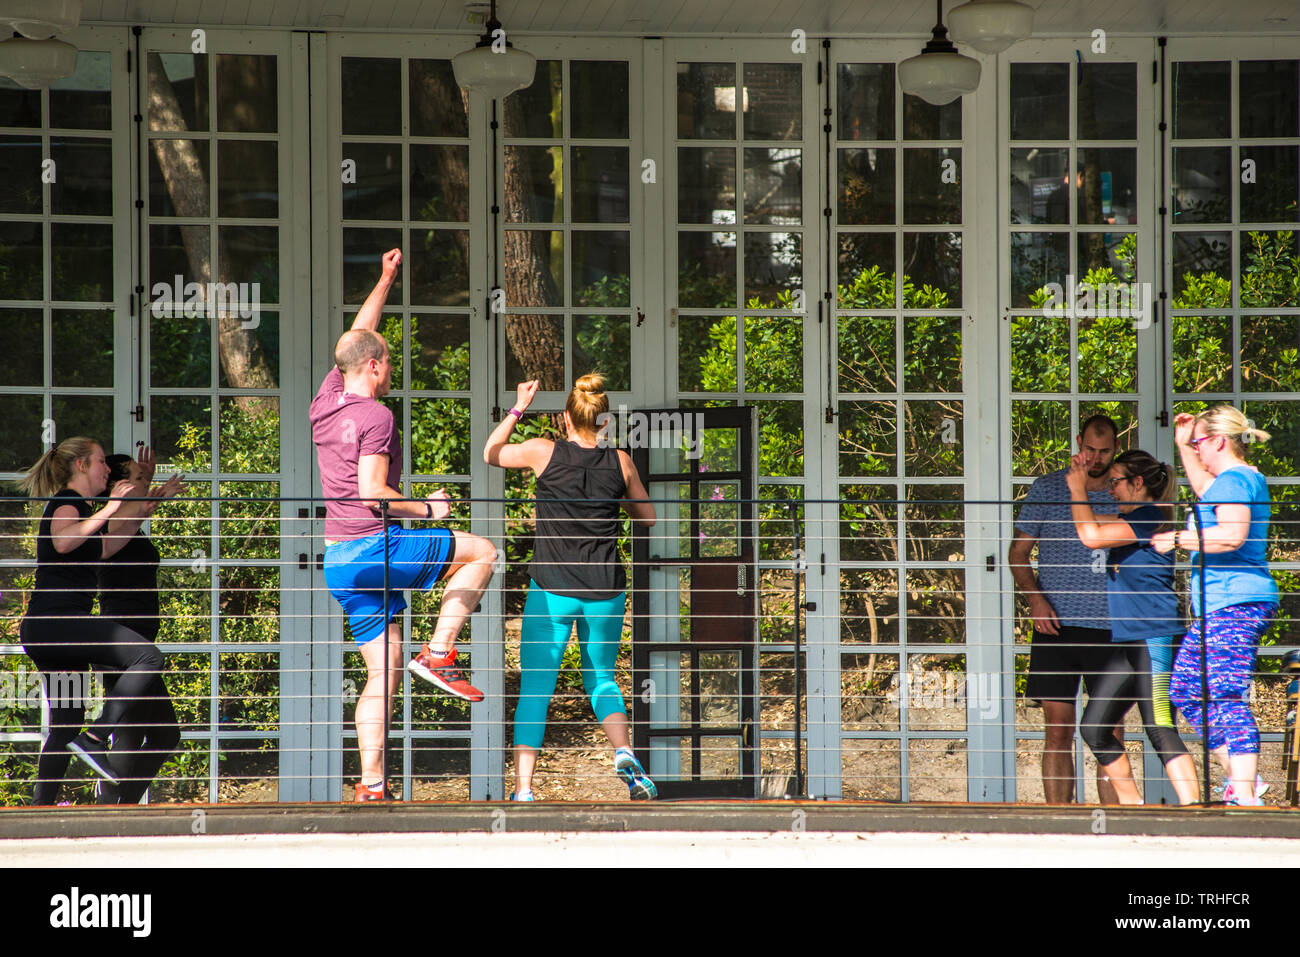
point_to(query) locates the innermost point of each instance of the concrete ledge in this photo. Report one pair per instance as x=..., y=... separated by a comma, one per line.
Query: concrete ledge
x=683, y=816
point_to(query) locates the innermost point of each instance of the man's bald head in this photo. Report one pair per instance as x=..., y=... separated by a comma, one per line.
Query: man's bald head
x=356, y=347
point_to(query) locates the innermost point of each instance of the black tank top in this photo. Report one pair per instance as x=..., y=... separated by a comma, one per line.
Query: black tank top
x=65, y=584
x=576, y=549
x=128, y=584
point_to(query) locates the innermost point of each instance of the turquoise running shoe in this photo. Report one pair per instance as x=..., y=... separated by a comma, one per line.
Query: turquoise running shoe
x=639, y=786
x=522, y=796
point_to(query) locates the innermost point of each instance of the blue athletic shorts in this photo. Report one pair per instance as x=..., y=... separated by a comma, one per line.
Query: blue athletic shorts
x=354, y=572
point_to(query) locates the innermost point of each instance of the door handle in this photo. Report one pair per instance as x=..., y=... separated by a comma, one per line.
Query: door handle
x=740, y=580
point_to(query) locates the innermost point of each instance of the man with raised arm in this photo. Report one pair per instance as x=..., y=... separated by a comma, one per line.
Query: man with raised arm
x=360, y=455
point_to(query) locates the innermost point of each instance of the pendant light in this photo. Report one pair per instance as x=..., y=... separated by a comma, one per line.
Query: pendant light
x=34, y=64
x=40, y=19
x=939, y=74
x=494, y=67
x=991, y=26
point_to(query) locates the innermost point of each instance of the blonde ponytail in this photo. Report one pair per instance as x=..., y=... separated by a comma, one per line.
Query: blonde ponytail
x=587, y=402
x=53, y=470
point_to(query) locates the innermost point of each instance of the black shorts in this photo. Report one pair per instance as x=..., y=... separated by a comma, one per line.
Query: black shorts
x=1057, y=662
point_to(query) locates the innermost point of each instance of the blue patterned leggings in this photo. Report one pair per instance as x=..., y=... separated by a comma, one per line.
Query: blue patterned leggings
x=1232, y=637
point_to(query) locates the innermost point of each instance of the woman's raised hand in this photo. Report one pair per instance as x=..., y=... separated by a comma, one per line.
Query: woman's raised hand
x=525, y=393
x=1184, y=426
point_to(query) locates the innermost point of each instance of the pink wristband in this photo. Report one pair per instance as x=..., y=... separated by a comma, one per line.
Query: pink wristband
x=516, y=413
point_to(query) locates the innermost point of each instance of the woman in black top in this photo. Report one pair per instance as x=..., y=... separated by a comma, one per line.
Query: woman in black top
x=576, y=573
x=58, y=632
x=128, y=594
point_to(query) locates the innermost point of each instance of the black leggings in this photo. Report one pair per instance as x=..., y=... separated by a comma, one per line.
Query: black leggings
x=137, y=711
x=1125, y=679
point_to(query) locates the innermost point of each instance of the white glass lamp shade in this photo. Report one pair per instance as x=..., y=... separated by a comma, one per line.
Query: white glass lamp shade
x=991, y=26
x=939, y=78
x=40, y=19
x=37, y=63
x=494, y=74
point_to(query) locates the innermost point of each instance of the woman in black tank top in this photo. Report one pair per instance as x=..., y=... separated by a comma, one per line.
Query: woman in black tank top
x=577, y=577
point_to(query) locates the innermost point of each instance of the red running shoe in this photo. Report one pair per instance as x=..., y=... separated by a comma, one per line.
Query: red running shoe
x=443, y=673
x=366, y=793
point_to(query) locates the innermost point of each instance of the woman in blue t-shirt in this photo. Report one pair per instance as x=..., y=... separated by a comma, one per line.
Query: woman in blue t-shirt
x=1240, y=598
x=1144, y=621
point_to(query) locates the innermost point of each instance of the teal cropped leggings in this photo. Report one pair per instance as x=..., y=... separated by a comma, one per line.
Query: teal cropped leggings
x=548, y=623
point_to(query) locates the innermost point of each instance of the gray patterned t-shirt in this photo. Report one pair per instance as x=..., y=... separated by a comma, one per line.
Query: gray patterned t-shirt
x=1071, y=576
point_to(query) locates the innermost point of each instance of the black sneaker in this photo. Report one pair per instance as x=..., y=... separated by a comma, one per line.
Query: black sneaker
x=95, y=754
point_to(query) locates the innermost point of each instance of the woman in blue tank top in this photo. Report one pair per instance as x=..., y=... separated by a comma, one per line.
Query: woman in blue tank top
x=577, y=577
x=1241, y=597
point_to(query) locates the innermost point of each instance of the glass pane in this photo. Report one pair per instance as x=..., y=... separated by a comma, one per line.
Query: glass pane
x=180, y=352
x=1272, y=198
x=866, y=354
x=440, y=352
x=865, y=96
x=377, y=190
x=534, y=184
x=90, y=415
x=248, y=179
x=439, y=183
x=181, y=431
x=934, y=520
x=866, y=187
x=936, y=606
x=246, y=93
x=83, y=183
x=372, y=95
x=1040, y=101
x=706, y=270
x=21, y=267
x=1036, y=260
x=1040, y=186
x=773, y=354
x=534, y=263
x=362, y=249
x=251, y=358
x=719, y=527
x=1202, y=270
x=937, y=769
x=868, y=523
x=1107, y=101
x=1282, y=421
x=437, y=106
x=868, y=434
x=774, y=186
x=706, y=185
x=601, y=268
x=439, y=267
x=251, y=254
x=21, y=429
x=1269, y=267
x=1203, y=353
x=780, y=438
x=25, y=339
x=933, y=434
x=780, y=506
x=249, y=528
x=932, y=186
x=866, y=271
x=178, y=194
x=82, y=262
x=869, y=694
x=773, y=269
x=1269, y=98
x=535, y=350
x=925, y=121
x=932, y=354
x=706, y=353
x=20, y=188
x=18, y=106
x=1107, y=258
x=1203, y=184
x=931, y=270
x=1108, y=355
x=706, y=101
x=1107, y=184
x=773, y=101
x=83, y=347
x=603, y=343
x=440, y=436
x=1269, y=354
x=536, y=110
x=1040, y=354
x=1040, y=436
x=1201, y=100
x=250, y=435
x=178, y=92
x=599, y=179
x=600, y=99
